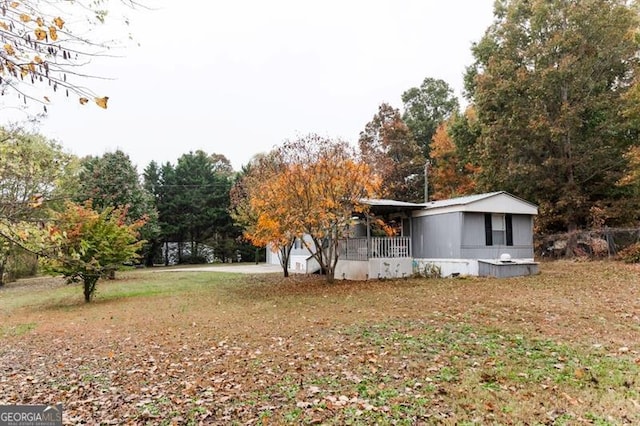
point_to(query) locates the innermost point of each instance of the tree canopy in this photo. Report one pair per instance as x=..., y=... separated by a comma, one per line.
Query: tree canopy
x=450, y=175
x=550, y=85
x=193, y=202
x=426, y=107
x=32, y=170
x=89, y=245
x=388, y=147
x=313, y=187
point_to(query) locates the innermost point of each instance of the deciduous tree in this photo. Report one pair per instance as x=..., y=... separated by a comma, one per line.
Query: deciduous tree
x=450, y=175
x=32, y=169
x=317, y=186
x=426, y=107
x=89, y=244
x=388, y=147
x=255, y=203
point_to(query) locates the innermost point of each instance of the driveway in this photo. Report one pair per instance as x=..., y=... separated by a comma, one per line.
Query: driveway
x=244, y=268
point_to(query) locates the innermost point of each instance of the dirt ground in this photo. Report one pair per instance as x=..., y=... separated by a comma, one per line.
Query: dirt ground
x=562, y=347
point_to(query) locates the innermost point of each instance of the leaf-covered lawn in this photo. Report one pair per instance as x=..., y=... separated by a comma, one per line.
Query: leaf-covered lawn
x=209, y=348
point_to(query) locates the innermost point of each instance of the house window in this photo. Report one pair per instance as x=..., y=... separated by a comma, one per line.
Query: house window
x=498, y=229
x=406, y=227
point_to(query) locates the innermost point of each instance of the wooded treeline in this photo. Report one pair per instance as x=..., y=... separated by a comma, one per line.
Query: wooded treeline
x=185, y=204
x=552, y=115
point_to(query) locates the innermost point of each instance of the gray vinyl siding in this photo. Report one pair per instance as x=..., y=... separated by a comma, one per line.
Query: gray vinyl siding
x=437, y=236
x=474, y=242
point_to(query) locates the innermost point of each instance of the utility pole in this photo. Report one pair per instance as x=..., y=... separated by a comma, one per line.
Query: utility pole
x=426, y=180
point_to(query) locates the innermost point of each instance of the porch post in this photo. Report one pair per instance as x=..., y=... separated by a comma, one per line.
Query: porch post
x=410, y=234
x=368, y=237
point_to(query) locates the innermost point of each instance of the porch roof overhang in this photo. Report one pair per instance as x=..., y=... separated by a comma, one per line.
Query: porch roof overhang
x=390, y=206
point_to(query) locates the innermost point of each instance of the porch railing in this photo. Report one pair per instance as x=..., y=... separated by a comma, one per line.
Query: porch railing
x=374, y=247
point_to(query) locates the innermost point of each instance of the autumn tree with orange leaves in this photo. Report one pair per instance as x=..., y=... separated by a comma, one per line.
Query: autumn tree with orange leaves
x=255, y=205
x=450, y=175
x=87, y=245
x=312, y=187
x=40, y=49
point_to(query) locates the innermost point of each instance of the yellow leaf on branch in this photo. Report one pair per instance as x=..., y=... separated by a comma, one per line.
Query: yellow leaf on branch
x=40, y=34
x=14, y=4
x=37, y=59
x=83, y=101
x=4, y=26
x=9, y=49
x=102, y=102
x=40, y=22
x=25, y=18
x=59, y=22
x=53, y=33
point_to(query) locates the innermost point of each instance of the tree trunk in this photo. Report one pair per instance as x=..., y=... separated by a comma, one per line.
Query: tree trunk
x=3, y=269
x=330, y=274
x=89, y=287
x=332, y=259
x=572, y=242
x=285, y=255
x=570, y=177
x=154, y=245
x=166, y=253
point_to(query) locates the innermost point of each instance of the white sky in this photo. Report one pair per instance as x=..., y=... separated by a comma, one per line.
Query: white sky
x=239, y=77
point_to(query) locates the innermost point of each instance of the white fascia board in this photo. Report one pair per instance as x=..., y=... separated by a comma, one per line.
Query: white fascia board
x=500, y=203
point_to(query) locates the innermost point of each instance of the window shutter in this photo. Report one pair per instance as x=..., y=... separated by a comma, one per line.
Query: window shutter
x=508, y=218
x=487, y=229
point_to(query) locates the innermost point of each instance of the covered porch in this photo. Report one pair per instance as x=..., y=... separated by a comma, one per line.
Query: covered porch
x=367, y=255
x=374, y=258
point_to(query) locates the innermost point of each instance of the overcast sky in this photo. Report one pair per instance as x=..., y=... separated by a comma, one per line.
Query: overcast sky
x=239, y=77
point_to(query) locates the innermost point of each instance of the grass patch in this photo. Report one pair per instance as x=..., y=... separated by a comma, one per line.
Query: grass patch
x=127, y=285
x=17, y=330
x=200, y=347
